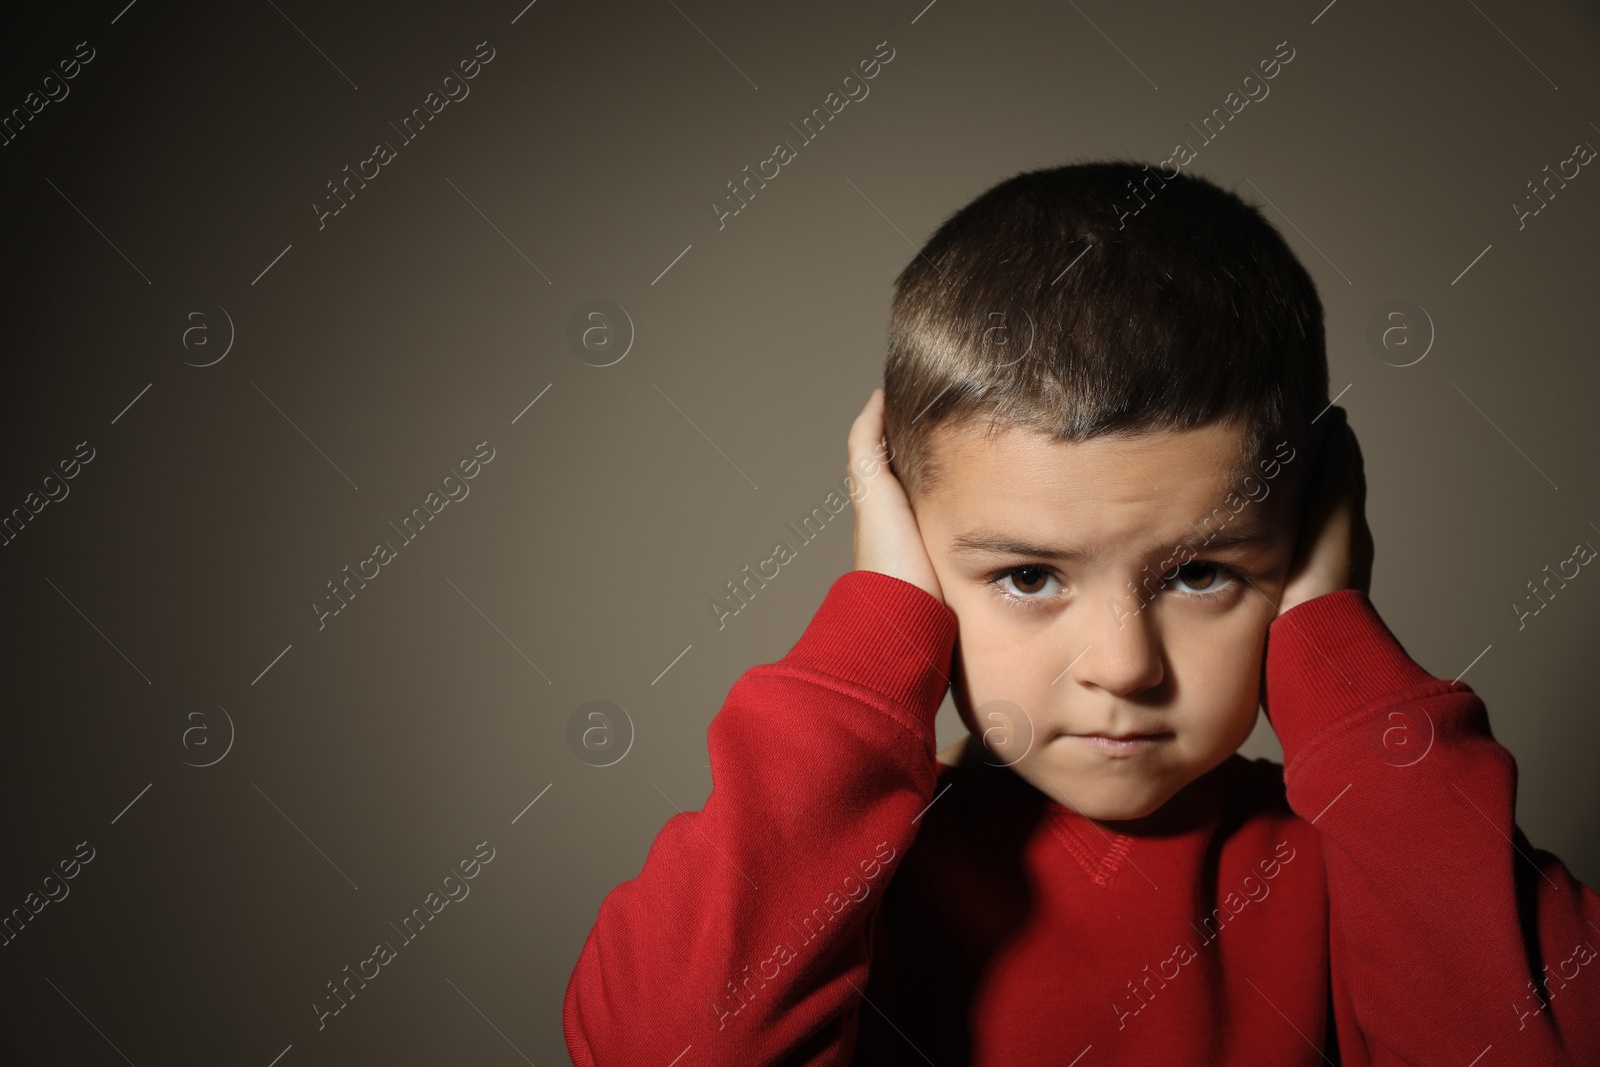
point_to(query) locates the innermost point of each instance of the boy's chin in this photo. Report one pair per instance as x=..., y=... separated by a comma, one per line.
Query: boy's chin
x=1119, y=809
x=1111, y=802
x=1116, y=811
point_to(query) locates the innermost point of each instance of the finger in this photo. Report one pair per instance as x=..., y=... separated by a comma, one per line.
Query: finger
x=1345, y=466
x=1321, y=487
x=1358, y=465
x=1330, y=423
x=867, y=431
x=1333, y=453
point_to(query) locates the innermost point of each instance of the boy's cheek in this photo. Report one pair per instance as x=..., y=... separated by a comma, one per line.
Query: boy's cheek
x=1270, y=588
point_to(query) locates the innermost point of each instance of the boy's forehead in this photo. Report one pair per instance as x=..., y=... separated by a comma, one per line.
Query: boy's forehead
x=1112, y=491
x=1212, y=452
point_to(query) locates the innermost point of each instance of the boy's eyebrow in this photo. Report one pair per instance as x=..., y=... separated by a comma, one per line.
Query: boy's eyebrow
x=985, y=542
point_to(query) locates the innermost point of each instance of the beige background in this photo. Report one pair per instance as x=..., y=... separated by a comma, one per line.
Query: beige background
x=370, y=756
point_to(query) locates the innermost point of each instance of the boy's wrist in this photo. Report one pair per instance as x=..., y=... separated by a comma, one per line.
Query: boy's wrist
x=1328, y=657
x=884, y=634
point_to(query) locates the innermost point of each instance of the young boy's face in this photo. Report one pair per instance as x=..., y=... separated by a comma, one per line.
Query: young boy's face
x=1050, y=555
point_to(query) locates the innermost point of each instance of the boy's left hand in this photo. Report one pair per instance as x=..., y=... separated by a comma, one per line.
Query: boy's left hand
x=1333, y=547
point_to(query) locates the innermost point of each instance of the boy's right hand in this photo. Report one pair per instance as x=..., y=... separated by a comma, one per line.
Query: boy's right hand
x=887, y=539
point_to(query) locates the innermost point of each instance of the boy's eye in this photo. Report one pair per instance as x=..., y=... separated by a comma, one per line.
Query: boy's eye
x=1201, y=577
x=1029, y=581
x=1186, y=574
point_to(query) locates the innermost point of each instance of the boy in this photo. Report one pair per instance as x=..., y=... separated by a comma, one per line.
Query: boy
x=1121, y=516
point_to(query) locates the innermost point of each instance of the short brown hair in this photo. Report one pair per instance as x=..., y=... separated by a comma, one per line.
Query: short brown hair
x=1103, y=297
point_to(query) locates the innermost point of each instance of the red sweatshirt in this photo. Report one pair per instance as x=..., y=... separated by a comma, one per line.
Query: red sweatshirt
x=843, y=898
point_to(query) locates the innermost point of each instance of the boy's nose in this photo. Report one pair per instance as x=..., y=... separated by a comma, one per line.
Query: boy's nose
x=1124, y=654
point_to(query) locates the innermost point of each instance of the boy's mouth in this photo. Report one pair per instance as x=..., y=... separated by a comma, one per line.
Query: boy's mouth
x=1124, y=744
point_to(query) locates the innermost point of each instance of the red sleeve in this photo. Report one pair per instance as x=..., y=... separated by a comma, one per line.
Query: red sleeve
x=1450, y=933
x=744, y=938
